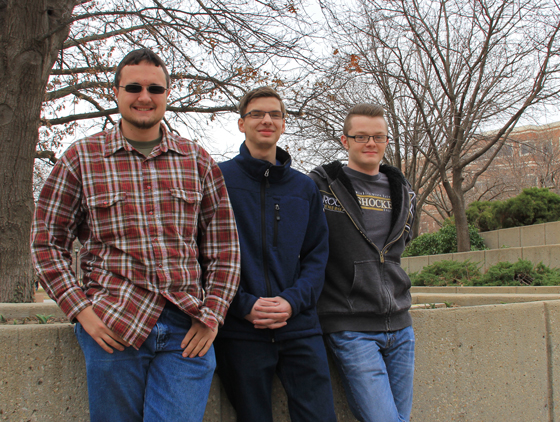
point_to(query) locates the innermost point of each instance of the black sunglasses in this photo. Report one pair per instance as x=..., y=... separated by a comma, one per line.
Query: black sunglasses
x=137, y=88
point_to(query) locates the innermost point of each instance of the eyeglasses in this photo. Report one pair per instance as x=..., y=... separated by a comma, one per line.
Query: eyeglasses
x=362, y=139
x=258, y=114
x=137, y=88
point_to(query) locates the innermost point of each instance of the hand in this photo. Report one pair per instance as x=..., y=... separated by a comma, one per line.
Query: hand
x=198, y=339
x=98, y=331
x=270, y=312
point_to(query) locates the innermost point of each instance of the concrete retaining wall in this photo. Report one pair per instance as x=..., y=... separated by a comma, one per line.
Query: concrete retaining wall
x=517, y=237
x=549, y=255
x=484, y=363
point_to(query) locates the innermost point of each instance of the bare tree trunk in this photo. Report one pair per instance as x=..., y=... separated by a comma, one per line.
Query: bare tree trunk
x=416, y=224
x=457, y=199
x=31, y=35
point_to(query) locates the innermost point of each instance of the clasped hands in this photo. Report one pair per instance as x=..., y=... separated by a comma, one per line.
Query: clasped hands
x=270, y=312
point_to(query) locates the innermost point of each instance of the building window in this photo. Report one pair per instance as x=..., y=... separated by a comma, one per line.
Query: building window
x=506, y=151
x=527, y=148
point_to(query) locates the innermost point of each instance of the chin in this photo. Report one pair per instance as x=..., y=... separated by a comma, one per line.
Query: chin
x=143, y=124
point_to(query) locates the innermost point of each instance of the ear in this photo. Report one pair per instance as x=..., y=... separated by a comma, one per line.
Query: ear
x=344, y=142
x=241, y=125
x=115, y=91
x=283, y=126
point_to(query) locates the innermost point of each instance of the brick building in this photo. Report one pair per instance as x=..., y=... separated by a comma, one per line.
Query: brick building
x=529, y=158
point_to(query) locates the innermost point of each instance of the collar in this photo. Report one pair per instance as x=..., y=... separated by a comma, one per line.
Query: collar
x=256, y=168
x=115, y=141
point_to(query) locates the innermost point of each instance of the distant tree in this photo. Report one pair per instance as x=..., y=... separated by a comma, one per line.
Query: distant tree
x=57, y=61
x=466, y=67
x=316, y=138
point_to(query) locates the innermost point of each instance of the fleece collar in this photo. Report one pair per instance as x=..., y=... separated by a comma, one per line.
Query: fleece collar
x=256, y=168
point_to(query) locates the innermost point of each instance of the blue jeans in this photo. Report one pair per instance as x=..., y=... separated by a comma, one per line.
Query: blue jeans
x=154, y=383
x=377, y=371
x=247, y=369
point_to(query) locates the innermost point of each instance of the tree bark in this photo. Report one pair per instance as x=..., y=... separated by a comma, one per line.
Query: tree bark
x=27, y=54
x=457, y=198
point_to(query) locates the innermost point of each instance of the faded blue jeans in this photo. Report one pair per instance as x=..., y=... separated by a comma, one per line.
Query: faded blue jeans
x=377, y=370
x=152, y=384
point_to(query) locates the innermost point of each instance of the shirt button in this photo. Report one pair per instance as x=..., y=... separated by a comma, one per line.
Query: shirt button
x=148, y=187
x=160, y=265
x=151, y=213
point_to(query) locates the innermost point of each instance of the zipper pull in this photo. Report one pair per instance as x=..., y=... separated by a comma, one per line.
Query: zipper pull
x=277, y=208
x=266, y=177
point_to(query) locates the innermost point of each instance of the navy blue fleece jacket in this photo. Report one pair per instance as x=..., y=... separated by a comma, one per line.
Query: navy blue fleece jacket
x=283, y=236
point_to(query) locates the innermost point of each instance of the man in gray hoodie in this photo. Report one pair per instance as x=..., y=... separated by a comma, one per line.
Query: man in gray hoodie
x=364, y=305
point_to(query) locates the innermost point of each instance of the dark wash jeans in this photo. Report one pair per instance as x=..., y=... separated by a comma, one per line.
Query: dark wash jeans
x=247, y=368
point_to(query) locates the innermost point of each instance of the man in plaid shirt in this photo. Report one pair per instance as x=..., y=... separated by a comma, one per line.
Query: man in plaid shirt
x=160, y=255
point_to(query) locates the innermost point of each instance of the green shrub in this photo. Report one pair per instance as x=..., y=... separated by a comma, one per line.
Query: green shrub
x=455, y=273
x=482, y=214
x=520, y=273
x=447, y=273
x=442, y=241
x=507, y=274
x=532, y=206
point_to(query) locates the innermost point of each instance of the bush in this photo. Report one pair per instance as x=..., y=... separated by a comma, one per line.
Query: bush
x=482, y=214
x=442, y=241
x=447, y=273
x=532, y=206
x=520, y=273
x=454, y=273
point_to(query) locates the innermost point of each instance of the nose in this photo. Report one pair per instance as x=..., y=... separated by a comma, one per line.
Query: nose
x=267, y=118
x=144, y=95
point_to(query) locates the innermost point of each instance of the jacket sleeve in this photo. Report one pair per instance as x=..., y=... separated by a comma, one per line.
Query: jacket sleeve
x=304, y=293
x=242, y=304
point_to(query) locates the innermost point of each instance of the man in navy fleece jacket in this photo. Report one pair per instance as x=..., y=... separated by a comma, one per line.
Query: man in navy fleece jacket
x=272, y=325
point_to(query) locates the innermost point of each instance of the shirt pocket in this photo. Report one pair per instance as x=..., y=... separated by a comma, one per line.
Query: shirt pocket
x=184, y=212
x=108, y=220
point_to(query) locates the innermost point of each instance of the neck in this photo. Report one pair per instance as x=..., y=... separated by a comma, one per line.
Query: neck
x=266, y=154
x=369, y=171
x=140, y=135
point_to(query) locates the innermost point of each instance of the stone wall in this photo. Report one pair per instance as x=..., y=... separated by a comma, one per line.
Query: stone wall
x=482, y=363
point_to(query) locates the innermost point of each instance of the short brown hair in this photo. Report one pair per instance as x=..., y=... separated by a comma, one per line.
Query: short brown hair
x=262, y=92
x=137, y=57
x=369, y=110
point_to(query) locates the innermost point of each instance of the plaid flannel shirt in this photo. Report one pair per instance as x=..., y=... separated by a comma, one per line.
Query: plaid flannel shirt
x=151, y=229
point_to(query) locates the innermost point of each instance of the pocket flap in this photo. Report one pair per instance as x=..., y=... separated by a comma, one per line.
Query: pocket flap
x=186, y=195
x=105, y=200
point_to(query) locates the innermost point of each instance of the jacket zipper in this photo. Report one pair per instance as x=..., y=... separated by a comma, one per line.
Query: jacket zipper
x=388, y=245
x=264, y=185
x=276, y=223
x=381, y=256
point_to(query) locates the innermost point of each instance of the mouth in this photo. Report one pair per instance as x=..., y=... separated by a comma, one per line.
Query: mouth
x=143, y=109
